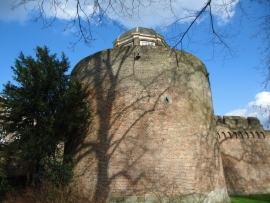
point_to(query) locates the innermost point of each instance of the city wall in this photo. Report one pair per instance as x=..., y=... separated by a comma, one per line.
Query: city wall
x=245, y=152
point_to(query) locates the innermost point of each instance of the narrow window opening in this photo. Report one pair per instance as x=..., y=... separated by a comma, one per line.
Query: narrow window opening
x=166, y=99
x=137, y=57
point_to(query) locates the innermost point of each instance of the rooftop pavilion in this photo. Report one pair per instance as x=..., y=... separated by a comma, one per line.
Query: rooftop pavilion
x=140, y=36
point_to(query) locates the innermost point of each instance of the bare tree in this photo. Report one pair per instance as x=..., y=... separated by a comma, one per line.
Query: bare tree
x=83, y=16
x=264, y=33
x=87, y=14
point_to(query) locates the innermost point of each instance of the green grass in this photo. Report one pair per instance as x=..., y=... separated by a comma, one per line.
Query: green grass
x=264, y=198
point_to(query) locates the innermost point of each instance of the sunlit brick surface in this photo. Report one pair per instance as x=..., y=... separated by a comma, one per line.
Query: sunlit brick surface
x=153, y=130
x=245, y=150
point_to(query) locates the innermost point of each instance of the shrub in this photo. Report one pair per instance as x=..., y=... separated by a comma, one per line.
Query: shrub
x=4, y=188
x=46, y=192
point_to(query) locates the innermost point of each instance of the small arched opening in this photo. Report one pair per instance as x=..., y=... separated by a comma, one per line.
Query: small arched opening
x=247, y=134
x=224, y=135
x=252, y=134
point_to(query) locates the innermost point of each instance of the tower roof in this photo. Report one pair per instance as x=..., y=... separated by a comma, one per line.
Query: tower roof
x=140, y=36
x=141, y=30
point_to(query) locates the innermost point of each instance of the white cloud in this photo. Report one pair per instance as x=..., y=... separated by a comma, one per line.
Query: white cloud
x=62, y=9
x=260, y=108
x=7, y=14
x=224, y=10
x=130, y=14
x=67, y=10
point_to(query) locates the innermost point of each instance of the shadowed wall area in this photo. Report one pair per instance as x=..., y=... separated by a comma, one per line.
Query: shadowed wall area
x=245, y=148
x=153, y=134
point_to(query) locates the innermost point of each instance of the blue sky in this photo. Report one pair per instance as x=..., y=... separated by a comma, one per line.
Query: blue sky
x=236, y=85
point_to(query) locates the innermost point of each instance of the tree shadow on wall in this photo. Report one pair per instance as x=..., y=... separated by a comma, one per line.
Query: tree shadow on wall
x=246, y=165
x=209, y=180
x=122, y=153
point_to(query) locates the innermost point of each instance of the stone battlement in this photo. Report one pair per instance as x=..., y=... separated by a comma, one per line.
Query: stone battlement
x=238, y=123
x=244, y=146
x=239, y=127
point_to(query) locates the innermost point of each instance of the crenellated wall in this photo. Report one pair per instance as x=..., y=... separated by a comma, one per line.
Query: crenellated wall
x=245, y=152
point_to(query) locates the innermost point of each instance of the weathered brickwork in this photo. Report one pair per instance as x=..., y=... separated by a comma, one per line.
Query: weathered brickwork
x=153, y=129
x=245, y=154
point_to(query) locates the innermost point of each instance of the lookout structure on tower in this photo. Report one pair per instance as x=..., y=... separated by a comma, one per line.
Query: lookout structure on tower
x=140, y=36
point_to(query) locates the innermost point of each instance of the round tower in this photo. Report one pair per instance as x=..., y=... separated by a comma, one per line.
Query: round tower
x=153, y=135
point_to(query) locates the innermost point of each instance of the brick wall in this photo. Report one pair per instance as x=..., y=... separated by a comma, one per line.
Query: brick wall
x=153, y=129
x=245, y=150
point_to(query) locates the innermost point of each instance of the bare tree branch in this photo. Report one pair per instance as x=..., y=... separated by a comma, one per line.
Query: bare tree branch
x=90, y=14
x=191, y=24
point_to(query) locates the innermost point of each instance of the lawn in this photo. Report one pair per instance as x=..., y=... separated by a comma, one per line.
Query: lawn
x=265, y=198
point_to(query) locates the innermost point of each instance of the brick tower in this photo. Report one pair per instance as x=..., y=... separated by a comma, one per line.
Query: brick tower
x=153, y=135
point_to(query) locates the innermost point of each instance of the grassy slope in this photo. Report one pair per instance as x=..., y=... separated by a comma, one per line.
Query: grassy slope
x=265, y=198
